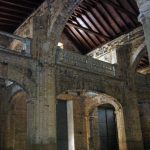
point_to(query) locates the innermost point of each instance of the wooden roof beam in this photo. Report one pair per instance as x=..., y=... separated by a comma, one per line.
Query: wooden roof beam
x=117, y=7
x=7, y=24
x=93, y=23
x=85, y=10
x=14, y=10
x=15, y=4
x=10, y=20
x=4, y=14
x=30, y=2
x=86, y=30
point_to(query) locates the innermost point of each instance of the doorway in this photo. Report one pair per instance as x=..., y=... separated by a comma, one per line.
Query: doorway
x=103, y=128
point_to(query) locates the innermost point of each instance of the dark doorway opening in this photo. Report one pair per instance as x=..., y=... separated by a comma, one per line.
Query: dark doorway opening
x=104, y=128
x=62, y=127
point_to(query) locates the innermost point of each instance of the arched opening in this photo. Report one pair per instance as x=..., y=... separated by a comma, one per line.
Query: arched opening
x=84, y=105
x=103, y=103
x=103, y=128
x=13, y=117
x=18, y=119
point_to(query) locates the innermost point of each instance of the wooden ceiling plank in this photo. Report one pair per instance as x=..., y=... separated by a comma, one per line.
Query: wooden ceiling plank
x=2, y=8
x=118, y=7
x=4, y=14
x=75, y=41
x=132, y=6
x=83, y=28
x=130, y=17
x=7, y=24
x=104, y=18
x=15, y=4
x=111, y=16
x=98, y=20
x=10, y=20
x=95, y=26
x=82, y=38
x=97, y=37
x=30, y=2
x=89, y=35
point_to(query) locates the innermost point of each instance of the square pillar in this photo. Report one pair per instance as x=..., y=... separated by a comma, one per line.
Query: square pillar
x=129, y=100
x=41, y=106
x=41, y=113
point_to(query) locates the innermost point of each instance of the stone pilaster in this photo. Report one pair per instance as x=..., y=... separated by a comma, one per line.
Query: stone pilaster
x=144, y=18
x=80, y=130
x=95, y=136
x=41, y=106
x=129, y=101
x=41, y=113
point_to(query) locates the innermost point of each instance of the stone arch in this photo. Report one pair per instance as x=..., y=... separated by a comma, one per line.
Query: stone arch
x=19, y=77
x=13, y=117
x=64, y=10
x=15, y=89
x=100, y=99
x=17, y=117
x=91, y=100
x=137, y=55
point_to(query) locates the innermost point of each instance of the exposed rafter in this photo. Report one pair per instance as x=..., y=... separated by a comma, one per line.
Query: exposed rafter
x=11, y=10
x=102, y=20
x=118, y=7
x=10, y=20
x=92, y=24
x=85, y=29
x=5, y=14
x=7, y=24
x=14, y=12
x=15, y=4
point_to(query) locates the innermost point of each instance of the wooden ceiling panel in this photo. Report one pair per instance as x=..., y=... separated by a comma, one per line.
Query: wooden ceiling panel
x=105, y=19
x=14, y=12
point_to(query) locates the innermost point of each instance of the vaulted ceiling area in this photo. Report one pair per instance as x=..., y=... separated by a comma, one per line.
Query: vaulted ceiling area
x=95, y=22
x=14, y=12
x=92, y=24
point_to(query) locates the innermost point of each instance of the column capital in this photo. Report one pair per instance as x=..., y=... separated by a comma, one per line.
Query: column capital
x=144, y=9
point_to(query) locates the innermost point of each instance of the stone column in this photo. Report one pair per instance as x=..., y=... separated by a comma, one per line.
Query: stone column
x=41, y=113
x=144, y=18
x=80, y=124
x=129, y=101
x=94, y=130
x=41, y=106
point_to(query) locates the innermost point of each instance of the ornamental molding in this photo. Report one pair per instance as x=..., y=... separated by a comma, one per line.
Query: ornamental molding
x=84, y=63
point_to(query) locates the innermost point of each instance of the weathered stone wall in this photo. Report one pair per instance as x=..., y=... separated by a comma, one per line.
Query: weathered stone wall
x=72, y=79
x=52, y=79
